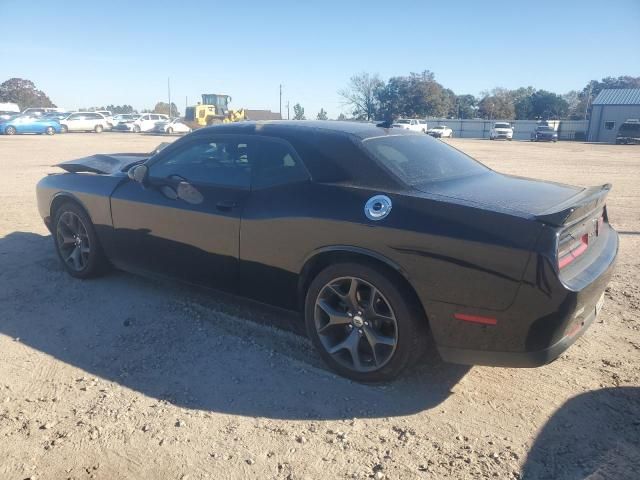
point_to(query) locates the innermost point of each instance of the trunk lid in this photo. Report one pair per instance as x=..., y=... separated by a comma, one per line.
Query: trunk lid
x=523, y=196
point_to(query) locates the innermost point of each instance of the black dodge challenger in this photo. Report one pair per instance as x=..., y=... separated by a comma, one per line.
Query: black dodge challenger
x=379, y=236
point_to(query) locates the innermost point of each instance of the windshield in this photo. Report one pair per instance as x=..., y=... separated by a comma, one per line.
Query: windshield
x=439, y=127
x=404, y=122
x=416, y=159
x=629, y=129
x=502, y=125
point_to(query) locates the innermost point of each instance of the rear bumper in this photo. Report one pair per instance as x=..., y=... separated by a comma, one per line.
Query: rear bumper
x=515, y=359
x=544, y=320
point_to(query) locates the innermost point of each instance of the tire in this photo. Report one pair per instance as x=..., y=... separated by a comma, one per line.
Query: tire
x=69, y=235
x=509, y=139
x=98, y=128
x=136, y=129
x=451, y=135
x=64, y=129
x=169, y=130
x=50, y=131
x=10, y=130
x=401, y=321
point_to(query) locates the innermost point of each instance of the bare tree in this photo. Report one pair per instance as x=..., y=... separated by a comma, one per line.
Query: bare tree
x=361, y=95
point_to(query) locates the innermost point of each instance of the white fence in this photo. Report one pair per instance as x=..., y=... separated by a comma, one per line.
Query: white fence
x=522, y=129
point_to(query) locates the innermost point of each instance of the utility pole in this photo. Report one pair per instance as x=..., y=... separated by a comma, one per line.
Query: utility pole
x=186, y=102
x=280, y=101
x=169, y=90
x=287, y=109
x=586, y=107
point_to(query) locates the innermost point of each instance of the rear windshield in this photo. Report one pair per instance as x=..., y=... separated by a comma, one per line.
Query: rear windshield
x=544, y=129
x=403, y=122
x=417, y=159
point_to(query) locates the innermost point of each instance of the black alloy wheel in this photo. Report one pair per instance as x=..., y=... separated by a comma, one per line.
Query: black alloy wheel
x=76, y=242
x=356, y=324
x=363, y=325
x=73, y=241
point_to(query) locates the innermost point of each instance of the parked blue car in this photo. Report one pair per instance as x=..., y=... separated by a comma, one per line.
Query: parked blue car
x=29, y=124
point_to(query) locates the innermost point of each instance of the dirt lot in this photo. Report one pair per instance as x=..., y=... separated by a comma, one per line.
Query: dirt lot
x=125, y=377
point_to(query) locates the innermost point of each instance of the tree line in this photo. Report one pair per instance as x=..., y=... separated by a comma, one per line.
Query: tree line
x=419, y=95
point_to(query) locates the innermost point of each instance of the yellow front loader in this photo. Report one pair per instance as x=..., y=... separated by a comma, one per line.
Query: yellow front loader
x=213, y=109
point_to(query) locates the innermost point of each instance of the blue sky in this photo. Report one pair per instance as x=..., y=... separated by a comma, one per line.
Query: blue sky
x=85, y=53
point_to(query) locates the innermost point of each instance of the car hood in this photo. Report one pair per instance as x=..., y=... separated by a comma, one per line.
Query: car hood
x=105, y=164
x=506, y=193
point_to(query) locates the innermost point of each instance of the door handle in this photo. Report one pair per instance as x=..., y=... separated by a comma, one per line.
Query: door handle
x=226, y=205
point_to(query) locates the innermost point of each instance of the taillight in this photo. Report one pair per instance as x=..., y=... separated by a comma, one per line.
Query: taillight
x=571, y=248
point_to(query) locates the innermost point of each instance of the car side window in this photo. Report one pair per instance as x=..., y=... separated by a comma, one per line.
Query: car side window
x=276, y=163
x=221, y=162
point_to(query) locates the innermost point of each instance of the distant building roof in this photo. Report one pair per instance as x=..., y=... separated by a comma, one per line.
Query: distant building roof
x=618, y=96
x=262, y=115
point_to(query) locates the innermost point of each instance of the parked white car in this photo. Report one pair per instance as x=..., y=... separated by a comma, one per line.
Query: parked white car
x=124, y=118
x=414, y=124
x=440, y=131
x=174, y=126
x=84, y=122
x=37, y=111
x=8, y=110
x=147, y=122
x=501, y=130
x=108, y=116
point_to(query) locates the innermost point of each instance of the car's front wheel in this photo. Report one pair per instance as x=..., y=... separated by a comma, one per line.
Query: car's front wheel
x=136, y=129
x=98, y=129
x=363, y=325
x=76, y=242
x=169, y=130
x=50, y=131
x=64, y=129
x=10, y=130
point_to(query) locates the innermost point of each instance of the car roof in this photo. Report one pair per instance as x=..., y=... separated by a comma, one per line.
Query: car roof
x=361, y=130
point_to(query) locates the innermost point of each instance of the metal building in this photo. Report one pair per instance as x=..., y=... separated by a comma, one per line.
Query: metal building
x=611, y=108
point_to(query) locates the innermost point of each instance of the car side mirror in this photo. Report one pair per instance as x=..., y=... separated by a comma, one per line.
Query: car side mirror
x=138, y=173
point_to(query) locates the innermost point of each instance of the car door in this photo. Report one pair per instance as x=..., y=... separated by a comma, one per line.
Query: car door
x=185, y=221
x=275, y=224
x=75, y=122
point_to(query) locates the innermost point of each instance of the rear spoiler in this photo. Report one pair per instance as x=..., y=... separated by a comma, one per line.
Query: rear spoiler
x=576, y=207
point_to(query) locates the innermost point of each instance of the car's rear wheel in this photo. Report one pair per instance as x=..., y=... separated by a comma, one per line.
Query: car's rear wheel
x=364, y=327
x=136, y=128
x=98, y=129
x=169, y=130
x=50, y=131
x=64, y=129
x=10, y=130
x=76, y=242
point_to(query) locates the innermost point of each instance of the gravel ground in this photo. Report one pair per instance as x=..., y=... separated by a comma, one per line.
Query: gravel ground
x=128, y=378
